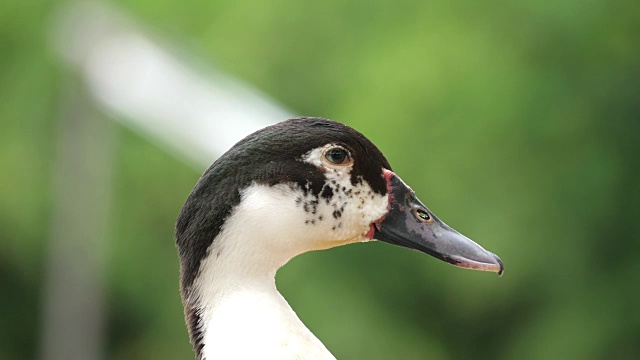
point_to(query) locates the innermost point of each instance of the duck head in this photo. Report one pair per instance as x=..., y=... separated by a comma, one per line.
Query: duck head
x=300, y=185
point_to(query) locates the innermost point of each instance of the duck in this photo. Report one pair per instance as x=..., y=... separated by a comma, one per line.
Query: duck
x=300, y=185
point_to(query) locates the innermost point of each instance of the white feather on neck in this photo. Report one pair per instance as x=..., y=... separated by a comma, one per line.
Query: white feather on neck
x=243, y=316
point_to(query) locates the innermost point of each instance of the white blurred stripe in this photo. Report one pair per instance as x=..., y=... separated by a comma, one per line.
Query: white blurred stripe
x=198, y=114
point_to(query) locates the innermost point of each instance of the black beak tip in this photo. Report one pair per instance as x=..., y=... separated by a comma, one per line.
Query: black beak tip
x=499, y=263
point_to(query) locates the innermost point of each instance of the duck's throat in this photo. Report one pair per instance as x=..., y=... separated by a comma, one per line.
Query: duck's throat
x=240, y=314
x=233, y=308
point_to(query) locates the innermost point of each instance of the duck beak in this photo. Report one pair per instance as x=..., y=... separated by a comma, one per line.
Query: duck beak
x=410, y=224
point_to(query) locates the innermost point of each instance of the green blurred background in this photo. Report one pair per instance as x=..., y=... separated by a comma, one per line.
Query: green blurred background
x=517, y=122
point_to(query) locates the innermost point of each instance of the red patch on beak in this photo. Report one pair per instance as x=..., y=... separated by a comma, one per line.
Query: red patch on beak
x=376, y=224
x=372, y=230
x=387, y=176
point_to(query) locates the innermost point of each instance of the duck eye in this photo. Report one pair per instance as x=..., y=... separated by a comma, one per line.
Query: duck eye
x=337, y=156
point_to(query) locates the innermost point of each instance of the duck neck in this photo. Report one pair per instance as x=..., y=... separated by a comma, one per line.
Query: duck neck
x=229, y=290
x=233, y=308
x=241, y=314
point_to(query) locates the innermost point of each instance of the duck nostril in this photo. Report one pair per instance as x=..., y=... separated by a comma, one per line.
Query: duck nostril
x=423, y=215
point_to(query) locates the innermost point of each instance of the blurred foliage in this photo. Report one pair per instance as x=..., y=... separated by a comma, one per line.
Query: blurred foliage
x=516, y=121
